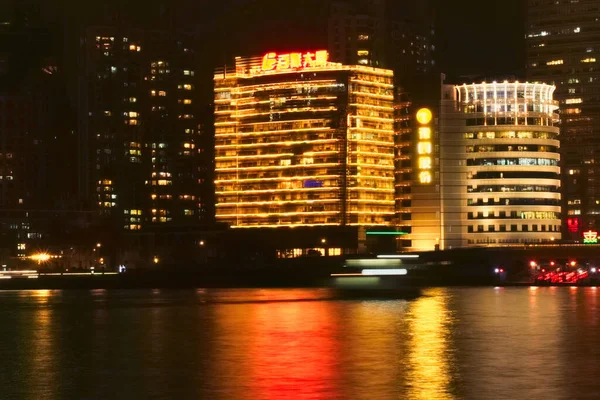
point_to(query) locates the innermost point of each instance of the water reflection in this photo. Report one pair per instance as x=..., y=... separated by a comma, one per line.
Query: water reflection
x=428, y=372
x=41, y=349
x=261, y=344
x=275, y=349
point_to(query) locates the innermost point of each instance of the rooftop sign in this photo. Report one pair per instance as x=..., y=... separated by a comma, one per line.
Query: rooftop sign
x=281, y=62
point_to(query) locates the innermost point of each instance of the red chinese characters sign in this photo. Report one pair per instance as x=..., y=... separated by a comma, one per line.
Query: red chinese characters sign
x=573, y=224
x=281, y=62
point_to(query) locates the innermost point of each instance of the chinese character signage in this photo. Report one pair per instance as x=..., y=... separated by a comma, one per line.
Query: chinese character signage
x=282, y=62
x=573, y=224
x=424, y=146
x=590, y=237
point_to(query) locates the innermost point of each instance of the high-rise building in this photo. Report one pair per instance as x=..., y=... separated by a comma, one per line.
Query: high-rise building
x=397, y=35
x=563, y=45
x=139, y=128
x=301, y=142
x=38, y=169
x=487, y=173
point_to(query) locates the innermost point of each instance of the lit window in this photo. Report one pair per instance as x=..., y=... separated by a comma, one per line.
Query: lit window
x=574, y=101
x=555, y=62
x=162, y=93
x=363, y=52
x=363, y=37
x=187, y=101
x=588, y=60
x=187, y=86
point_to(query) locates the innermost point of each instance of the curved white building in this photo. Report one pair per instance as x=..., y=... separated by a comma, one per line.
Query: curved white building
x=497, y=167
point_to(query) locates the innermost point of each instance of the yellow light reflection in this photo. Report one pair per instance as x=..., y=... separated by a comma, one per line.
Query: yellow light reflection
x=428, y=368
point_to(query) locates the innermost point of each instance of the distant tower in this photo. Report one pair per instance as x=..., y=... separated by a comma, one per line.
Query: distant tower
x=563, y=48
x=398, y=35
x=139, y=128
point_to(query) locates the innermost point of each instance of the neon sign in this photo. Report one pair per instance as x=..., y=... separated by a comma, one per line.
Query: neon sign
x=573, y=224
x=282, y=62
x=590, y=237
x=424, y=146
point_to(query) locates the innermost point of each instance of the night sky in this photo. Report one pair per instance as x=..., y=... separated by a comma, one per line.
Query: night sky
x=482, y=37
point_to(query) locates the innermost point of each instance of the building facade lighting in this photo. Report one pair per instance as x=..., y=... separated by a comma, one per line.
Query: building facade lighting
x=297, y=149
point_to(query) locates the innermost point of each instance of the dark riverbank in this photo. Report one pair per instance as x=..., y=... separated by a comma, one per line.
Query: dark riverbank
x=315, y=273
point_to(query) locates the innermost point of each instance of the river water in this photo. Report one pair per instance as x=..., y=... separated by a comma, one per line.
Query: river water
x=450, y=343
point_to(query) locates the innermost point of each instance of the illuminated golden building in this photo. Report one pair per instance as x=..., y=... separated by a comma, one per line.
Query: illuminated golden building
x=302, y=141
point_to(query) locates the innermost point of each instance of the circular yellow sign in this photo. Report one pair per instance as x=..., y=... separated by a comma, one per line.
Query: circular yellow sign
x=424, y=116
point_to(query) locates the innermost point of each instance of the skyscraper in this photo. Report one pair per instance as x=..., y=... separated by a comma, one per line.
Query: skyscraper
x=139, y=130
x=563, y=45
x=397, y=35
x=301, y=141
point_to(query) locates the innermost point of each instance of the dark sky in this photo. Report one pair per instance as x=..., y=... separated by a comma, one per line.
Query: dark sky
x=482, y=37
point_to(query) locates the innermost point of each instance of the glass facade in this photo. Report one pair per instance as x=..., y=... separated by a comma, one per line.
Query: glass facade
x=511, y=163
x=304, y=146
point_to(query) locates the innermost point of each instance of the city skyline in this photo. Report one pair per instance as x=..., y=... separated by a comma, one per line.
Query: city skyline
x=107, y=108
